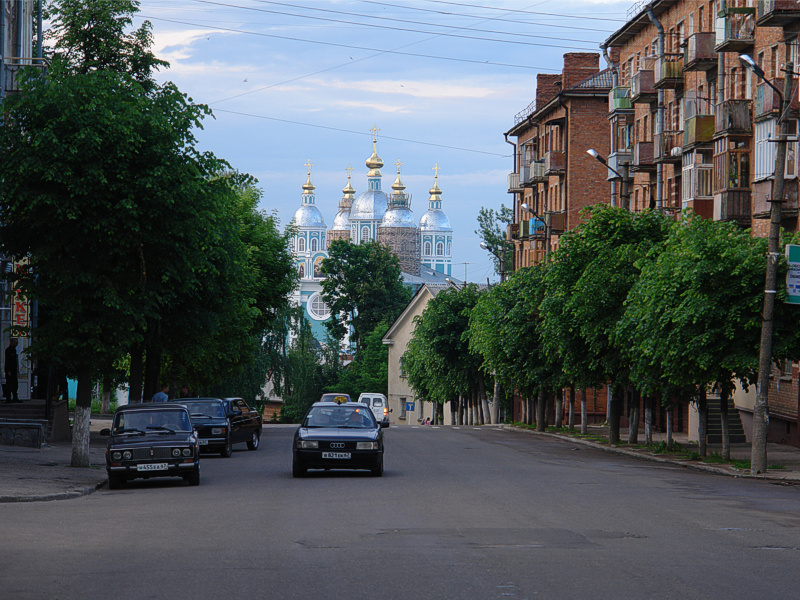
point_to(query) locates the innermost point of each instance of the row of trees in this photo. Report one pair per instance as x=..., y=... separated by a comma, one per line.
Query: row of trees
x=148, y=258
x=658, y=308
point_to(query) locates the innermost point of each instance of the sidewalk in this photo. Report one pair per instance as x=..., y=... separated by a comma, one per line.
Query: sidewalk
x=28, y=475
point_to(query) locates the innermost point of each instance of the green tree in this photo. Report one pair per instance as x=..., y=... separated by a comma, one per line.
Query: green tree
x=363, y=286
x=369, y=371
x=492, y=231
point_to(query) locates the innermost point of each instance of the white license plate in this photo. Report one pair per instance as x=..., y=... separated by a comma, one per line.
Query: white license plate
x=339, y=455
x=202, y=442
x=153, y=467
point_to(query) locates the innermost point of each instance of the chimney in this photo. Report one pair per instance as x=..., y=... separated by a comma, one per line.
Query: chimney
x=547, y=87
x=579, y=66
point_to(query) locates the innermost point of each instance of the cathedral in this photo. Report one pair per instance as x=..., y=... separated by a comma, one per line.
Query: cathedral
x=424, y=249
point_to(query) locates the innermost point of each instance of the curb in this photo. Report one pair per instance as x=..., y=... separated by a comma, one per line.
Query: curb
x=58, y=496
x=642, y=456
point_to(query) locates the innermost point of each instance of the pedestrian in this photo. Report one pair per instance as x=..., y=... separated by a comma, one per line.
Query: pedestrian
x=185, y=393
x=11, y=369
x=162, y=395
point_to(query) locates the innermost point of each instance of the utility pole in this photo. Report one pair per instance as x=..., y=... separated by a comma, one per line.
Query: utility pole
x=758, y=459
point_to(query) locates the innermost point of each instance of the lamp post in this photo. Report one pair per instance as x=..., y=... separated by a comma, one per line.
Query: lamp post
x=625, y=192
x=499, y=255
x=758, y=458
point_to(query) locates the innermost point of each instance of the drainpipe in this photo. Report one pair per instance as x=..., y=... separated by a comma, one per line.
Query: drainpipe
x=614, y=83
x=721, y=68
x=659, y=113
x=39, y=30
x=2, y=50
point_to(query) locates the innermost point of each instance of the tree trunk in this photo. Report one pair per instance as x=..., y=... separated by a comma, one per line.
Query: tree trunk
x=487, y=416
x=648, y=420
x=609, y=402
x=571, y=420
x=614, y=412
x=559, y=416
x=723, y=415
x=460, y=420
x=541, y=409
x=136, y=374
x=83, y=412
x=496, y=403
x=524, y=407
x=633, y=431
x=670, y=441
x=702, y=422
x=584, y=413
x=453, y=412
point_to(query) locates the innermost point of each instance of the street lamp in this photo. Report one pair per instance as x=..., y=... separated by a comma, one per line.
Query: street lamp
x=499, y=256
x=625, y=192
x=758, y=459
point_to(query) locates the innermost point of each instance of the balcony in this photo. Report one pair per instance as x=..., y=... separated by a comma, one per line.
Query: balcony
x=697, y=176
x=512, y=231
x=668, y=71
x=532, y=229
x=619, y=99
x=668, y=146
x=616, y=160
x=643, y=157
x=733, y=117
x=736, y=29
x=556, y=222
x=762, y=196
x=555, y=163
x=514, y=185
x=642, y=90
x=768, y=102
x=537, y=173
x=700, y=54
x=732, y=205
x=698, y=130
x=776, y=13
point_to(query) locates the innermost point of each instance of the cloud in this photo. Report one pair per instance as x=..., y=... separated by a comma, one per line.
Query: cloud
x=387, y=108
x=417, y=89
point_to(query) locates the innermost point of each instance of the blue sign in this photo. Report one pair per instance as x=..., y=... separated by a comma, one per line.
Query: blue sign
x=410, y=406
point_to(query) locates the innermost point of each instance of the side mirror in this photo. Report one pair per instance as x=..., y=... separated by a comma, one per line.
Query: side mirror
x=105, y=432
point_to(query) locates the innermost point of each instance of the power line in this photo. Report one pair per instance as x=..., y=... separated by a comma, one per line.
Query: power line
x=384, y=137
x=391, y=28
x=516, y=10
x=351, y=46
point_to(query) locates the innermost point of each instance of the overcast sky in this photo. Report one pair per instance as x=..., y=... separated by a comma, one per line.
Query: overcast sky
x=306, y=80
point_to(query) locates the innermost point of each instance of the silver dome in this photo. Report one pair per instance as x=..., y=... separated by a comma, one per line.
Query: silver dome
x=435, y=220
x=308, y=215
x=369, y=206
x=398, y=217
x=341, y=222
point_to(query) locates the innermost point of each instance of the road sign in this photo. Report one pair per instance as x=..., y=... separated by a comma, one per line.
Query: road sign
x=793, y=275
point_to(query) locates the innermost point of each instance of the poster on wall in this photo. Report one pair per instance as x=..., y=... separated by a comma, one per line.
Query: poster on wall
x=793, y=275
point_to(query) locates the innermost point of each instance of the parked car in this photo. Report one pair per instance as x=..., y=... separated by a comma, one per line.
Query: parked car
x=245, y=422
x=378, y=404
x=151, y=440
x=338, y=436
x=210, y=420
x=337, y=397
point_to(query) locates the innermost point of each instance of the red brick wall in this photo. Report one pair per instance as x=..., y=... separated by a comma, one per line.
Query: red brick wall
x=547, y=86
x=579, y=66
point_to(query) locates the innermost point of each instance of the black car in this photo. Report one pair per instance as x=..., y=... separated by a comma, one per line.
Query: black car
x=338, y=436
x=151, y=440
x=245, y=422
x=210, y=420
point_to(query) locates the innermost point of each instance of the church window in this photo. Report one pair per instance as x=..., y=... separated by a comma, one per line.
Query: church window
x=440, y=249
x=449, y=250
x=317, y=308
x=427, y=248
x=364, y=233
x=314, y=244
x=301, y=244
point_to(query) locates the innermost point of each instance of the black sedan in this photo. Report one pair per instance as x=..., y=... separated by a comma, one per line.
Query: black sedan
x=151, y=440
x=210, y=420
x=338, y=436
x=245, y=422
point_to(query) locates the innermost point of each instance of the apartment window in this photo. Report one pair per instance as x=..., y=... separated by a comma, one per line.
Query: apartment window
x=775, y=63
x=764, y=150
x=402, y=407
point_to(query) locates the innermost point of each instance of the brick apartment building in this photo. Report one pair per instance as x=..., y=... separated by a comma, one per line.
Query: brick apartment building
x=691, y=125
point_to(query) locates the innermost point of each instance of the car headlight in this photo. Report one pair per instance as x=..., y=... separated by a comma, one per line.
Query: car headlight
x=217, y=430
x=187, y=451
x=127, y=455
x=176, y=452
x=367, y=446
x=116, y=455
x=307, y=444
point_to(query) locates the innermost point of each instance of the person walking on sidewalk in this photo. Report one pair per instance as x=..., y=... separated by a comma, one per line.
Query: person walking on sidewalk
x=162, y=395
x=11, y=369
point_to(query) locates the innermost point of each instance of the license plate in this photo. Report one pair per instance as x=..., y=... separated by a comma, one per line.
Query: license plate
x=152, y=467
x=202, y=442
x=339, y=455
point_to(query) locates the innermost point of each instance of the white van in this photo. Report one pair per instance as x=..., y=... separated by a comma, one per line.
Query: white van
x=378, y=404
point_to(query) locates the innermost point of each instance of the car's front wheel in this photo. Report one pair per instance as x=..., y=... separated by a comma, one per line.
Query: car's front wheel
x=228, y=449
x=114, y=481
x=378, y=471
x=193, y=478
x=255, y=439
x=297, y=469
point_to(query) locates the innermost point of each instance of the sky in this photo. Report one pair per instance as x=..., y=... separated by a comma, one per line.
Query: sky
x=306, y=80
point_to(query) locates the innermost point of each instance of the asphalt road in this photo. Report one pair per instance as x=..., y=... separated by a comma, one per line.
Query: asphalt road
x=460, y=513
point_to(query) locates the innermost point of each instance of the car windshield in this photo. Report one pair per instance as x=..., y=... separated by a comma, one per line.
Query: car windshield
x=142, y=421
x=207, y=409
x=348, y=416
x=335, y=398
